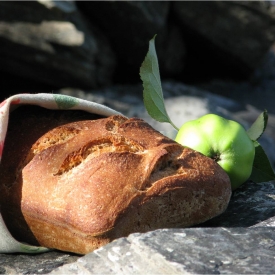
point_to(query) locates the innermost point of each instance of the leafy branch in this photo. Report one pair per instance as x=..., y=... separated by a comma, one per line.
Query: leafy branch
x=154, y=104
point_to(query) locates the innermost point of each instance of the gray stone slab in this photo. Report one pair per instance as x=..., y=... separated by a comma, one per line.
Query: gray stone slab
x=253, y=204
x=267, y=223
x=34, y=264
x=55, y=46
x=239, y=32
x=183, y=251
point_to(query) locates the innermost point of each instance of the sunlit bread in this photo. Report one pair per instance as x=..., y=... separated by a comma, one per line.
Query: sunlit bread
x=81, y=185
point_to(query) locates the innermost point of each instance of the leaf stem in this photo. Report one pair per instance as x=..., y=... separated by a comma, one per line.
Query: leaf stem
x=174, y=125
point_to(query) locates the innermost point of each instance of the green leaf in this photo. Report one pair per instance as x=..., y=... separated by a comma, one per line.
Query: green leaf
x=152, y=90
x=258, y=127
x=262, y=170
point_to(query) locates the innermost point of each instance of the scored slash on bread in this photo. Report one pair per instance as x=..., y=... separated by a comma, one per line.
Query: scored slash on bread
x=83, y=184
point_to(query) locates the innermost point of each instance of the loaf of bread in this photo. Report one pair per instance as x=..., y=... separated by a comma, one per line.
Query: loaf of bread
x=79, y=185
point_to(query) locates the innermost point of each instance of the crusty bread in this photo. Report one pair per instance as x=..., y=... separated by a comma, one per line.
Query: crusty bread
x=83, y=184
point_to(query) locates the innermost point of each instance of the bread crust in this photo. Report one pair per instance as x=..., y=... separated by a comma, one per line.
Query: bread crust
x=86, y=183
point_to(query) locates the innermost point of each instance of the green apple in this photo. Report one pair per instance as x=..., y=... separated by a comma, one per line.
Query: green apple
x=223, y=140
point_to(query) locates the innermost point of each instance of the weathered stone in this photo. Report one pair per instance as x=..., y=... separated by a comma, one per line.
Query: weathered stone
x=34, y=264
x=183, y=251
x=129, y=26
x=225, y=38
x=253, y=204
x=171, y=51
x=50, y=42
x=267, y=223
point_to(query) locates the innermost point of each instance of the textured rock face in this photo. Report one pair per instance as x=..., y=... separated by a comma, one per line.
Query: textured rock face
x=36, y=264
x=132, y=25
x=253, y=204
x=184, y=251
x=91, y=44
x=238, y=34
x=51, y=43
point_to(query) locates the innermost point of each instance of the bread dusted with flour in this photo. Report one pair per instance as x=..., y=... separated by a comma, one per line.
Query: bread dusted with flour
x=83, y=184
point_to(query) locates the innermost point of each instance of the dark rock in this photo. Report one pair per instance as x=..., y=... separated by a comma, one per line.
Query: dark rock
x=250, y=205
x=171, y=51
x=267, y=223
x=34, y=264
x=89, y=44
x=258, y=91
x=130, y=25
x=50, y=42
x=225, y=38
x=183, y=251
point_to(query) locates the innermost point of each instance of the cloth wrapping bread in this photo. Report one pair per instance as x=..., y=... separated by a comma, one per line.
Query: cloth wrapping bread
x=76, y=175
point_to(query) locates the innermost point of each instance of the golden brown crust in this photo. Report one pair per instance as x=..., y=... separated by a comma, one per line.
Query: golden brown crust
x=86, y=183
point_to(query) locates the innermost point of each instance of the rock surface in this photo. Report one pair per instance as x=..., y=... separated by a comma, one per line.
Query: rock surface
x=184, y=251
x=92, y=44
x=50, y=42
x=253, y=204
x=34, y=264
x=133, y=24
x=238, y=34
